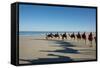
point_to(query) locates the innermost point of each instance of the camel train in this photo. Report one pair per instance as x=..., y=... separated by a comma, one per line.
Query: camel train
x=73, y=36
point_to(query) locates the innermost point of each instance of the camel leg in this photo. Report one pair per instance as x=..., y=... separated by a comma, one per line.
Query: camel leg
x=62, y=38
x=85, y=41
x=66, y=37
x=90, y=43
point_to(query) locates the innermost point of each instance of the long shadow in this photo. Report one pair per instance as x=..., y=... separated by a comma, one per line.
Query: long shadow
x=65, y=50
x=63, y=44
x=46, y=60
x=59, y=58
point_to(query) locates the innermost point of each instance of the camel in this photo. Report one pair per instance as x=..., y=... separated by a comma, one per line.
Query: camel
x=56, y=35
x=64, y=36
x=78, y=36
x=95, y=39
x=84, y=37
x=49, y=35
x=52, y=35
x=90, y=38
x=72, y=36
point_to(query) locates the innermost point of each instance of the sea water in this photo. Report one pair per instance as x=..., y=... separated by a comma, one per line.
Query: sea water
x=38, y=33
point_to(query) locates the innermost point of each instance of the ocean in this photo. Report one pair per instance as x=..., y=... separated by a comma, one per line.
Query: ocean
x=30, y=33
x=39, y=33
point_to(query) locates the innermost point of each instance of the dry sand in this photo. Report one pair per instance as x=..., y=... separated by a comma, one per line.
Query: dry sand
x=38, y=49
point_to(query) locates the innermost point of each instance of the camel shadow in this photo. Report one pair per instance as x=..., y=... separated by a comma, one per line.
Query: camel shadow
x=61, y=42
x=48, y=60
x=64, y=45
x=57, y=58
x=65, y=50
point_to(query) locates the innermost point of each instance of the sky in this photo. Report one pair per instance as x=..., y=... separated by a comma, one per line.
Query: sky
x=54, y=18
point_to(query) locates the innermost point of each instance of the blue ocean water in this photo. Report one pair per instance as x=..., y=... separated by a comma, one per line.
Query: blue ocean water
x=30, y=33
x=36, y=33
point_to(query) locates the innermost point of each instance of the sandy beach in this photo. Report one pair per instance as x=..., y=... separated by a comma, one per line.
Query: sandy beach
x=38, y=49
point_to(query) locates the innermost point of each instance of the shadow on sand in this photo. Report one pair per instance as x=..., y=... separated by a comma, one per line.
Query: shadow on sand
x=46, y=60
x=63, y=44
x=65, y=50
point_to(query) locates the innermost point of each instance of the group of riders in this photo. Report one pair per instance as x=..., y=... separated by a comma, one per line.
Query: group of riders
x=74, y=36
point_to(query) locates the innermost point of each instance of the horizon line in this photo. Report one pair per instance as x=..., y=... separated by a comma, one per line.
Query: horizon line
x=57, y=31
